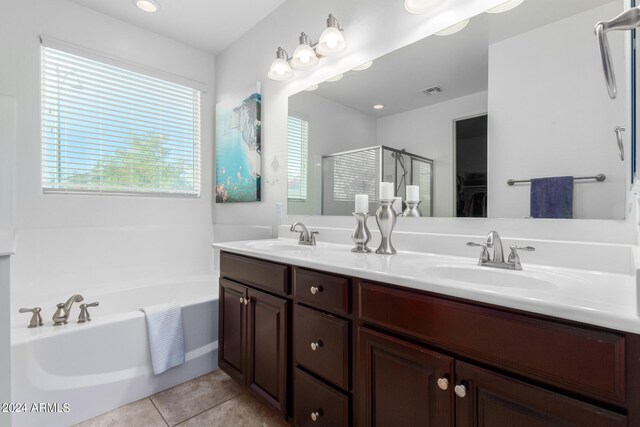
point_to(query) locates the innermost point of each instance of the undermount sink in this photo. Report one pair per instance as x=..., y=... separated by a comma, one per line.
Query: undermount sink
x=488, y=276
x=279, y=246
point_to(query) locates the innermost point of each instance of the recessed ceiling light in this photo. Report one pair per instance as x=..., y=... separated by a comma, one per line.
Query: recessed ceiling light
x=378, y=107
x=421, y=6
x=453, y=29
x=505, y=6
x=149, y=6
x=363, y=66
x=311, y=88
x=335, y=78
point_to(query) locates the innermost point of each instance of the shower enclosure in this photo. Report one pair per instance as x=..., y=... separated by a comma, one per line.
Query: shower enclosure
x=360, y=172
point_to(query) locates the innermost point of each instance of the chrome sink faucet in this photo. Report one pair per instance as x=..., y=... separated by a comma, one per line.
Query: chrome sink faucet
x=496, y=259
x=61, y=315
x=306, y=237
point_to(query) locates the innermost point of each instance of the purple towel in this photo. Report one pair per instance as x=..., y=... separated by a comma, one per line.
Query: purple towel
x=552, y=197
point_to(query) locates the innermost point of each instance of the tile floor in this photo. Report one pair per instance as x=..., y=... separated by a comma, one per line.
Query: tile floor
x=210, y=400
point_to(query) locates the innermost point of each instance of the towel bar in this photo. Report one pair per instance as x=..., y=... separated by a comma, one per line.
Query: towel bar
x=599, y=178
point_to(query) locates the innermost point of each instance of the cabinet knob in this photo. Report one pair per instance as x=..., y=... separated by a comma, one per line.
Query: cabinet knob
x=247, y=300
x=460, y=390
x=316, y=415
x=443, y=383
x=316, y=345
x=314, y=289
x=241, y=300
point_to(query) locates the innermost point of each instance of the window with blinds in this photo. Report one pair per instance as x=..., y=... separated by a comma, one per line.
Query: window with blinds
x=354, y=173
x=110, y=130
x=297, y=158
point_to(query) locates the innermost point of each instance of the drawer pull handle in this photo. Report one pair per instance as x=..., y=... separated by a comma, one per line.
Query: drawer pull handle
x=316, y=345
x=460, y=390
x=443, y=383
x=316, y=415
x=315, y=289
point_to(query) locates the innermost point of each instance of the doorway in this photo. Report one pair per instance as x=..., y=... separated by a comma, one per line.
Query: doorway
x=471, y=166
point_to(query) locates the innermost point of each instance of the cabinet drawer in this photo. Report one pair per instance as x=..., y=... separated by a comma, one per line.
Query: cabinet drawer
x=265, y=275
x=330, y=337
x=329, y=407
x=323, y=291
x=580, y=360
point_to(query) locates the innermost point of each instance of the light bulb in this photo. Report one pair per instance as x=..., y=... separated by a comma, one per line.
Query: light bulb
x=280, y=69
x=331, y=40
x=421, y=6
x=304, y=58
x=511, y=4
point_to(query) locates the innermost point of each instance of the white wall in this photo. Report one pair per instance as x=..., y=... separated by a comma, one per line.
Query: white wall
x=429, y=132
x=93, y=239
x=372, y=28
x=5, y=340
x=569, y=101
x=333, y=128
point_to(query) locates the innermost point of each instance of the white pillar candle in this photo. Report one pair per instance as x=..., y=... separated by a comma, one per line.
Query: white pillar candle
x=397, y=204
x=413, y=193
x=362, y=203
x=386, y=191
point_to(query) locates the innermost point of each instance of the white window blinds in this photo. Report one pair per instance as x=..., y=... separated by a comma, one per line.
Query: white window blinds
x=109, y=130
x=297, y=146
x=356, y=172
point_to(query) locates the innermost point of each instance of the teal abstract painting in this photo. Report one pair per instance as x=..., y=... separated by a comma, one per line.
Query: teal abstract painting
x=238, y=148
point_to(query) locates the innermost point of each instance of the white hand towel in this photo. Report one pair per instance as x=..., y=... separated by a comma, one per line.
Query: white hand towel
x=166, y=336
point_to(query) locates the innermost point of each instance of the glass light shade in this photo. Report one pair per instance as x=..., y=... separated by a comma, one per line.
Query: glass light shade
x=331, y=42
x=311, y=88
x=304, y=58
x=335, y=78
x=421, y=6
x=453, y=29
x=149, y=6
x=505, y=6
x=363, y=66
x=280, y=70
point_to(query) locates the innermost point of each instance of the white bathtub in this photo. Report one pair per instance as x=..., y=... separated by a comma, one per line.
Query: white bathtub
x=101, y=365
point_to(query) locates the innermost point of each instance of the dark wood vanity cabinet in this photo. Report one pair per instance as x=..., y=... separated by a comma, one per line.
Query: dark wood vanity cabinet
x=254, y=328
x=328, y=350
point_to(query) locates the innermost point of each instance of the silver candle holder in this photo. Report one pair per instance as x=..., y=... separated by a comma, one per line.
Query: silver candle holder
x=412, y=210
x=386, y=218
x=361, y=235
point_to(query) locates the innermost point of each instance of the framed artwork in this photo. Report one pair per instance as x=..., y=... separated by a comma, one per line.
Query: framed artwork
x=238, y=148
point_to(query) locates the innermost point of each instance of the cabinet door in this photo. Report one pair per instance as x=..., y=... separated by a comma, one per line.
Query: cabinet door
x=489, y=399
x=232, y=330
x=267, y=348
x=398, y=383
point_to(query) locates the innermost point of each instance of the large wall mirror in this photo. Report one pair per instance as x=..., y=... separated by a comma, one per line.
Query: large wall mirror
x=471, y=117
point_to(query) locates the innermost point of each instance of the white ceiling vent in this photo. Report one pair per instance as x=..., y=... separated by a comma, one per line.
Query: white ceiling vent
x=433, y=90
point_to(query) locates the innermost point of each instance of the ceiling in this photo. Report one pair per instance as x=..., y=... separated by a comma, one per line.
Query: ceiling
x=209, y=25
x=457, y=63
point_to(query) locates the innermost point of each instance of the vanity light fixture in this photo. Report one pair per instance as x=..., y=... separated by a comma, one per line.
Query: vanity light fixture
x=453, y=29
x=506, y=6
x=363, y=67
x=149, y=6
x=311, y=88
x=335, y=78
x=421, y=6
x=304, y=57
x=378, y=107
x=280, y=69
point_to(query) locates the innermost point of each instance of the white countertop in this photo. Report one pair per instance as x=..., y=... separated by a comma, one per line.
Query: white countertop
x=599, y=298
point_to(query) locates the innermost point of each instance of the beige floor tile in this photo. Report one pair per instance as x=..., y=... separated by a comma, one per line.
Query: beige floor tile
x=193, y=397
x=241, y=411
x=140, y=414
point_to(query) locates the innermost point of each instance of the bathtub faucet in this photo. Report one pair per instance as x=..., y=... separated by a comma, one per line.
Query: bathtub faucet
x=61, y=315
